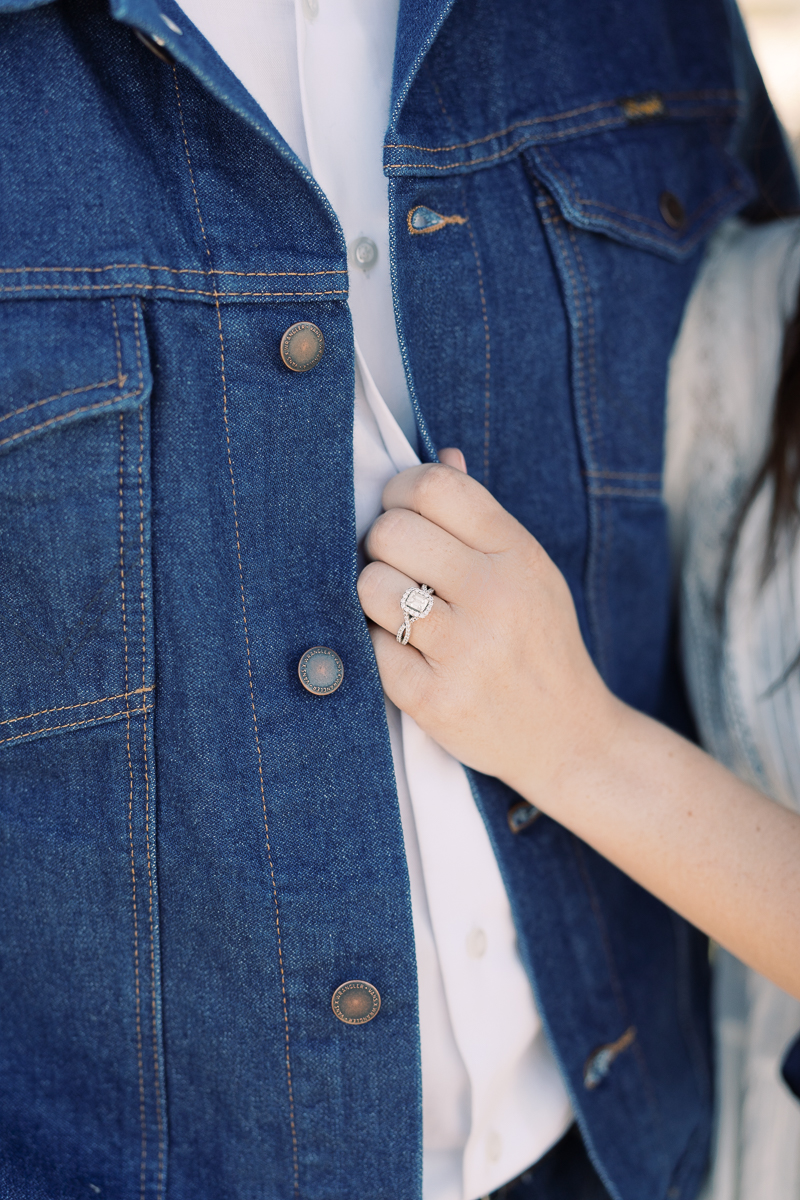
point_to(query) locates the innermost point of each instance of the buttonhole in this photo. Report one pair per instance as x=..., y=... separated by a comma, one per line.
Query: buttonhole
x=643, y=108
x=600, y=1060
x=426, y=220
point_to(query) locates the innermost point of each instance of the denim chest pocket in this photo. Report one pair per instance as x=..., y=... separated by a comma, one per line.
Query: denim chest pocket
x=74, y=526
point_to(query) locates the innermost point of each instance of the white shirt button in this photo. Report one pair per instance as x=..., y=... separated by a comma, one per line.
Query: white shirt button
x=476, y=943
x=494, y=1145
x=363, y=252
x=311, y=9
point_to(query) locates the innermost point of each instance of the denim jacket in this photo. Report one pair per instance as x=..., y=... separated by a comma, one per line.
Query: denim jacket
x=195, y=850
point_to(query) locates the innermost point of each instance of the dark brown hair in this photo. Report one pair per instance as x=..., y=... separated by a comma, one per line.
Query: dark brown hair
x=781, y=467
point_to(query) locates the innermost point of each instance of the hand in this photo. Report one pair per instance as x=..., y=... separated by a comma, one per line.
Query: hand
x=497, y=673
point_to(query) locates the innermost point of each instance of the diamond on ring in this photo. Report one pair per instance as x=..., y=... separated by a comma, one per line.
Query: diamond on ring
x=416, y=603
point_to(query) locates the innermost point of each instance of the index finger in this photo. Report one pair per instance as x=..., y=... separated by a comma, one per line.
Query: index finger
x=454, y=502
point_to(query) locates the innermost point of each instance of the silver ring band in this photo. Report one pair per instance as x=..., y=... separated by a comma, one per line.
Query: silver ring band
x=416, y=603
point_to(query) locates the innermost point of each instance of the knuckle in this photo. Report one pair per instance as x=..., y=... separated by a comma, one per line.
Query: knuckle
x=431, y=482
x=384, y=532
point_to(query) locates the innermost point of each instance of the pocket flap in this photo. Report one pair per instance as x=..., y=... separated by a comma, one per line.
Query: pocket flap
x=659, y=185
x=63, y=361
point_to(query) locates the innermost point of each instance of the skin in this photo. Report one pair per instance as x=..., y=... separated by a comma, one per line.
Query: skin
x=499, y=675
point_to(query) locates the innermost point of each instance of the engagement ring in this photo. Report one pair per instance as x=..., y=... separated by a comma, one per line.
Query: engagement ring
x=416, y=603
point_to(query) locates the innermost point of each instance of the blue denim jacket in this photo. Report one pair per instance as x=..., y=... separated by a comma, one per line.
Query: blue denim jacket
x=195, y=850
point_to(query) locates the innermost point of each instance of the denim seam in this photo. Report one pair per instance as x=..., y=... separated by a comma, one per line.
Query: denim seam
x=631, y=493
x=118, y=345
x=295, y=1161
x=557, y=222
x=574, y=112
x=43, y=712
x=72, y=413
x=704, y=207
x=137, y=987
x=546, y=204
x=641, y=475
x=591, y=336
x=471, y=162
x=119, y=381
x=155, y=287
x=487, y=391
x=172, y=270
x=662, y=242
x=156, y=1084
x=560, y=135
x=605, y=525
x=124, y=712
x=156, y=1064
x=489, y=137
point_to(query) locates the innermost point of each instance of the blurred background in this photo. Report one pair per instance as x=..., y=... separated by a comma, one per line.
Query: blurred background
x=774, y=29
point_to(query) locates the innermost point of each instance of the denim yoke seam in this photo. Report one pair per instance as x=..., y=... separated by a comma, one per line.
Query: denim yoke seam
x=137, y=986
x=156, y=267
x=290, y=1089
x=159, y=287
x=530, y=139
x=559, y=135
x=721, y=94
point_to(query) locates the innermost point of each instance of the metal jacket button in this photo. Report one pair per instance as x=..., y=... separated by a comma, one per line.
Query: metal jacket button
x=356, y=1002
x=320, y=670
x=302, y=346
x=671, y=210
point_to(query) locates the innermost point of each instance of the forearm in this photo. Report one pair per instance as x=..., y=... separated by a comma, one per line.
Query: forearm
x=720, y=853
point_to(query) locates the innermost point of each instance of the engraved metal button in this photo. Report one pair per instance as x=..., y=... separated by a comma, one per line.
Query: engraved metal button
x=302, y=346
x=321, y=670
x=363, y=253
x=671, y=210
x=356, y=1002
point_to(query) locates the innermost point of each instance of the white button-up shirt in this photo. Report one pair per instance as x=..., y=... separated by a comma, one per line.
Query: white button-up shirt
x=493, y=1100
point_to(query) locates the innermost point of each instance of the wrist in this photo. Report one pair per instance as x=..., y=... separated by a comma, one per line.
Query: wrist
x=556, y=773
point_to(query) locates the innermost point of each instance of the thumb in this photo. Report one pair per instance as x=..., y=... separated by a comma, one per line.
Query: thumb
x=452, y=457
